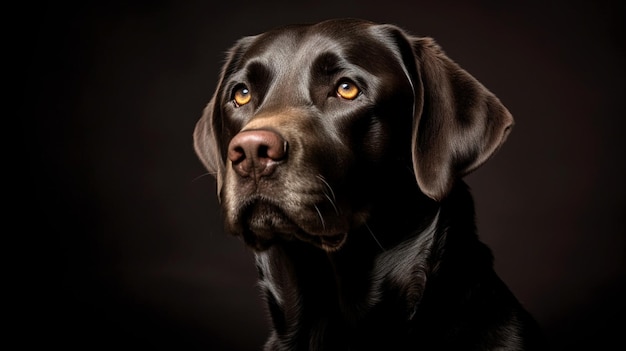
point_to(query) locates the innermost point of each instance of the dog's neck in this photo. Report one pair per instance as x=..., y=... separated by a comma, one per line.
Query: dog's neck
x=307, y=288
x=408, y=265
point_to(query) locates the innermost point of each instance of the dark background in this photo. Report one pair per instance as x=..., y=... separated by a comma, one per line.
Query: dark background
x=122, y=240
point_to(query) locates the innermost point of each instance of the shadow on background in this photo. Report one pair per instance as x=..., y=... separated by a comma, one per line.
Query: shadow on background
x=130, y=249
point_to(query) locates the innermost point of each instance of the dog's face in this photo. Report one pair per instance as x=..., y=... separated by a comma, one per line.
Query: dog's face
x=310, y=124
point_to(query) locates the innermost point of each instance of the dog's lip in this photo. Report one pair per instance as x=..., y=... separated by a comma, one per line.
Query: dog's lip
x=332, y=242
x=265, y=217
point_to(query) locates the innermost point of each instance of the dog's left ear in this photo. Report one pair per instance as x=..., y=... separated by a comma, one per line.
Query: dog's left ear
x=457, y=125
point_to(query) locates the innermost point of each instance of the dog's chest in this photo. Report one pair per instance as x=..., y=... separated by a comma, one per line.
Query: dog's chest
x=312, y=297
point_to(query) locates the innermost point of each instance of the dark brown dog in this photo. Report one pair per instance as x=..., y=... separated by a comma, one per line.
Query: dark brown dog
x=339, y=150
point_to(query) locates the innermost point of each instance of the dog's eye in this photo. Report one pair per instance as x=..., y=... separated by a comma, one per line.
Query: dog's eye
x=348, y=90
x=242, y=96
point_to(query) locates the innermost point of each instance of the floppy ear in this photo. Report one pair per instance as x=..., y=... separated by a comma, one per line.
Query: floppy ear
x=206, y=145
x=208, y=131
x=458, y=124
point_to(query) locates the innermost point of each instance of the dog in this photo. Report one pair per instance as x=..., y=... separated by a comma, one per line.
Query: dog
x=339, y=150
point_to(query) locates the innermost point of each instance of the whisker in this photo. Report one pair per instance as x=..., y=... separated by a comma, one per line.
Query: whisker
x=203, y=175
x=320, y=216
x=327, y=185
x=331, y=202
x=332, y=193
x=374, y=236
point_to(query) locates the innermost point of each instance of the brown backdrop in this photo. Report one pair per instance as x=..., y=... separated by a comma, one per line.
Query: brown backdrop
x=122, y=236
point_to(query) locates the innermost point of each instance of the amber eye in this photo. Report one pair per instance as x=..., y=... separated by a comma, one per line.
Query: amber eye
x=348, y=90
x=242, y=96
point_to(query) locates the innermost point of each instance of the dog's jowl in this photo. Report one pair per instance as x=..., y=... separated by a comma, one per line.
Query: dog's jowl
x=339, y=150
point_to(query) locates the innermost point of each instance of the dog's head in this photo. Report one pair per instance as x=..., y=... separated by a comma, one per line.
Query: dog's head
x=310, y=123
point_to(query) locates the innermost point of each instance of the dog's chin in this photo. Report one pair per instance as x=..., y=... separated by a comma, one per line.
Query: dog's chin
x=262, y=224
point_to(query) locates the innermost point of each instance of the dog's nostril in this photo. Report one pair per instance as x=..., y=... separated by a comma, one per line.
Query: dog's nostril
x=236, y=154
x=276, y=151
x=256, y=152
x=263, y=151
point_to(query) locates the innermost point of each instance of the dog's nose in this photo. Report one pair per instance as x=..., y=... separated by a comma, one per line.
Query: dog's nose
x=256, y=153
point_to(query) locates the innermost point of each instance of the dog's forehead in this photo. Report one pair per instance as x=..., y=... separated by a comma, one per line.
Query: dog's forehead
x=353, y=40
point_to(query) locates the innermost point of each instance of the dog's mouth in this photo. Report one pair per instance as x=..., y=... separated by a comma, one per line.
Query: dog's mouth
x=261, y=223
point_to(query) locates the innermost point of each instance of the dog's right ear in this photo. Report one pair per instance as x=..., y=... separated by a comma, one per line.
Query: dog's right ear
x=209, y=132
x=205, y=142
